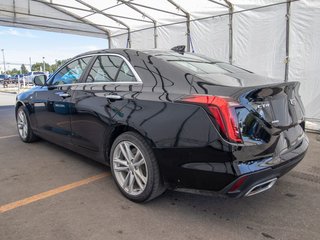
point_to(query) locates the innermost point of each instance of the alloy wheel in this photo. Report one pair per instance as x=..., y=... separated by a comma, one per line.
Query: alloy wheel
x=130, y=168
x=22, y=124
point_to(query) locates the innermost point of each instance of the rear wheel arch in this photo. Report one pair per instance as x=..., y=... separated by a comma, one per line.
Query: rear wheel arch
x=117, y=131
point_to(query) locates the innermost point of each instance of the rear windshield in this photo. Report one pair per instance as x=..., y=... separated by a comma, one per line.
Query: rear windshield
x=200, y=65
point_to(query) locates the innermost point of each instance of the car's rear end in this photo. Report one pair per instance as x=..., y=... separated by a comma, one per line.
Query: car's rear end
x=265, y=126
x=271, y=124
x=261, y=122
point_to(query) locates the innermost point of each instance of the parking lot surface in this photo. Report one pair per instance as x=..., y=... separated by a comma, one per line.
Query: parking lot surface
x=47, y=192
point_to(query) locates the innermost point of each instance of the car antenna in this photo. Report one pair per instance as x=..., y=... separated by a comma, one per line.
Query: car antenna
x=179, y=49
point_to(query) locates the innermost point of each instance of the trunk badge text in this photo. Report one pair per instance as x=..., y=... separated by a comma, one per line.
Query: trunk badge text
x=263, y=105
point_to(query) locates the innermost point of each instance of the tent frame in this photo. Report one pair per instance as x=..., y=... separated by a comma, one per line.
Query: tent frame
x=103, y=29
x=155, y=35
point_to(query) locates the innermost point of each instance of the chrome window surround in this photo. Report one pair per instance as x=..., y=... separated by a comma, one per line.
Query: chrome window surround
x=139, y=81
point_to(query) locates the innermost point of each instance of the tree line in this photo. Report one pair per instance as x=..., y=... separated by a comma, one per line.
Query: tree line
x=38, y=66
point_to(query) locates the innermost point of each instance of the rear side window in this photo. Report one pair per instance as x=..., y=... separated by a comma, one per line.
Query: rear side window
x=72, y=72
x=110, y=69
x=125, y=74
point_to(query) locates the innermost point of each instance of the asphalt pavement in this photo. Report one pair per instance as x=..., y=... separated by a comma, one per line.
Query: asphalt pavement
x=7, y=99
x=67, y=196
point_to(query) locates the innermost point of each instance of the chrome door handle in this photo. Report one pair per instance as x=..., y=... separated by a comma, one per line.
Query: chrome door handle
x=113, y=97
x=64, y=95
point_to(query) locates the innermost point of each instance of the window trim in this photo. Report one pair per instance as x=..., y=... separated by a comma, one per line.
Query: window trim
x=51, y=78
x=90, y=64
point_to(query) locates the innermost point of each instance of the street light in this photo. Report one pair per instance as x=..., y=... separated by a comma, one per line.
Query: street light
x=44, y=64
x=4, y=61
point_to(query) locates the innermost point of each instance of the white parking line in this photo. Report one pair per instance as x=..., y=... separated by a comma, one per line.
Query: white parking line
x=10, y=136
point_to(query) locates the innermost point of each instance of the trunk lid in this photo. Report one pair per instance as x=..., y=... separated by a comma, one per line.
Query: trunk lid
x=278, y=104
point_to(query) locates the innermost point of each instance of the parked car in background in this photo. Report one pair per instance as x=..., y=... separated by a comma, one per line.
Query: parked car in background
x=19, y=78
x=163, y=119
x=4, y=79
x=16, y=78
x=30, y=76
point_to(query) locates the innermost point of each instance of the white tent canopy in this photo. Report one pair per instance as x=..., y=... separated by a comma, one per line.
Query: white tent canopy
x=276, y=38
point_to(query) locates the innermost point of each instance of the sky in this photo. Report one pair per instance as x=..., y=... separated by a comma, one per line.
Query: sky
x=20, y=44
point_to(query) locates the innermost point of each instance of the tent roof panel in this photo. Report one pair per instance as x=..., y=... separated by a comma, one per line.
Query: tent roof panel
x=116, y=16
x=71, y=3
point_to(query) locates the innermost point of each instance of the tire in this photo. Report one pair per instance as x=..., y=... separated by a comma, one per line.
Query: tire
x=141, y=171
x=23, y=124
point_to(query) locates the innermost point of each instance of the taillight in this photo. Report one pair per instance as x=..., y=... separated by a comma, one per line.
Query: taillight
x=223, y=111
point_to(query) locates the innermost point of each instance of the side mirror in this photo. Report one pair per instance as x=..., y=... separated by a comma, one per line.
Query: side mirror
x=40, y=80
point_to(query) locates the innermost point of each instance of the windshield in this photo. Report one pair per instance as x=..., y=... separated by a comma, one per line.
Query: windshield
x=200, y=65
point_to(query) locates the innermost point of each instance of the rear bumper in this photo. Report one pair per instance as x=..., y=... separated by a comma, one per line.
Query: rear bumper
x=193, y=170
x=264, y=179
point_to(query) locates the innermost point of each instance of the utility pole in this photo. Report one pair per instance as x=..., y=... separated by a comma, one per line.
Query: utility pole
x=30, y=64
x=4, y=61
x=44, y=64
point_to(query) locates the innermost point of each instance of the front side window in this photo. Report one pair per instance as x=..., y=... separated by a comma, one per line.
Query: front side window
x=110, y=69
x=72, y=72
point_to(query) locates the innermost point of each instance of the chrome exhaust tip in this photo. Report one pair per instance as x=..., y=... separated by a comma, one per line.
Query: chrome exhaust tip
x=261, y=187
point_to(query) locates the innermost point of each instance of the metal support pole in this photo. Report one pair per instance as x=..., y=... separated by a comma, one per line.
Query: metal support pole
x=14, y=10
x=129, y=40
x=109, y=42
x=219, y=3
x=155, y=35
x=108, y=16
x=29, y=6
x=74, y=16
x=286, y=72
x=187, y=15
x=145, y=15
x=60, y=19
x=188, y=32
x=105, y=9
x=156, y=9
x=230, y=6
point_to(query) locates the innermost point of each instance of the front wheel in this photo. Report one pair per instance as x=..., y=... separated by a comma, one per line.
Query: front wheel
x=134, y=168
x=23, y=124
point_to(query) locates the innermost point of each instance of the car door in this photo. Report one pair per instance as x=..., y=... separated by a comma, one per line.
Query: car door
x=52, y=105
x=109, y=84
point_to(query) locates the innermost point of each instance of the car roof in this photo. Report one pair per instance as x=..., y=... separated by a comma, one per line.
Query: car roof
x=117, y=50
x=153, y=52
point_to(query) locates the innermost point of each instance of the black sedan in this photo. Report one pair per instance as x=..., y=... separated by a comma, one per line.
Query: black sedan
x=166, y=119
